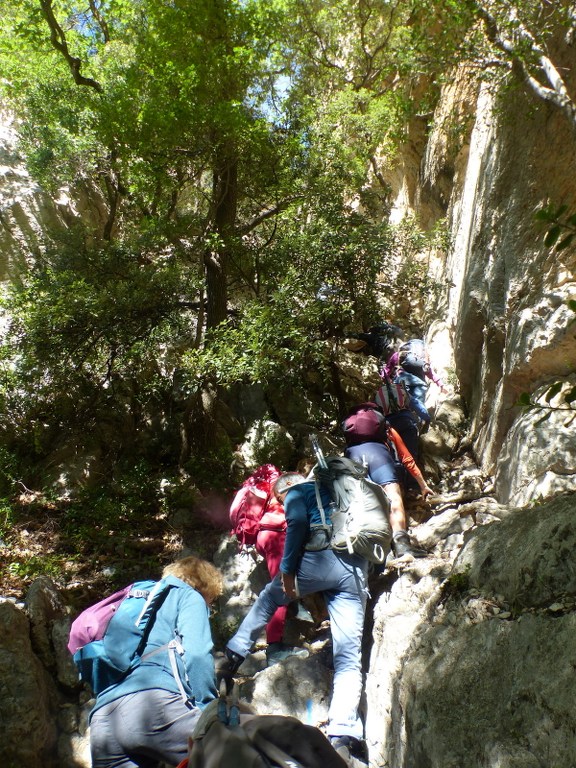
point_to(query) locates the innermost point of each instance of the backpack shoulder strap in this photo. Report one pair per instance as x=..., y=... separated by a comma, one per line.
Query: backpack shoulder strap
x=392, y=399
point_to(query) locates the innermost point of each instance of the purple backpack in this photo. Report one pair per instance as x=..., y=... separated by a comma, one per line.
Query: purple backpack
x=93, y=622
x=365, y=424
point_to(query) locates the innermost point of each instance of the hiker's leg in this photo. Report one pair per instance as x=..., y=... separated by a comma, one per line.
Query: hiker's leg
x=106, y=747
x=270, y=544
x=401, y=544
x=342, y=579
x=397, y=511
x=267, y=602
x=346, y=607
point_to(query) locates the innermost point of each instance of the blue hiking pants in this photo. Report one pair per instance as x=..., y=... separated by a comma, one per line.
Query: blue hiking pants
x=341, y=578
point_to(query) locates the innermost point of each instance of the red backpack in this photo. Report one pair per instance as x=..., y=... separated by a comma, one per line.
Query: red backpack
x=392, y=396
x=254, y=508
x=365, y=424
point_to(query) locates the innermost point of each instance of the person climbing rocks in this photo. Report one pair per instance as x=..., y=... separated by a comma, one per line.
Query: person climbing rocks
x=380, y=339
x=341, y=579
x=147, y=717
x=404, y=415
x=258, y=520
x=410, y=366
x=372, y=442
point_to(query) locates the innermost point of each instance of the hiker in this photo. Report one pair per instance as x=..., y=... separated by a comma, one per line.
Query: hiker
x=410, y=366
x=258, y=520
x=373, y=443
x=340, y=578
x=146, y=718
x=401, y=412
x=413, y=357
x=380, y=339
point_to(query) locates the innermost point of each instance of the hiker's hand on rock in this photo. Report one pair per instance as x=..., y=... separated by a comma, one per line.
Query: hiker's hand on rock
x=426, y=491
x=289, y=585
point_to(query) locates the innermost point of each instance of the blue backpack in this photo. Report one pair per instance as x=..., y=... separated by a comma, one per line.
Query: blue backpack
x=107, y=639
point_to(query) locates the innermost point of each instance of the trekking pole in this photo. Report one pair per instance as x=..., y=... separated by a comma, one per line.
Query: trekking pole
x=436, y=412
x=318, y=452
x=324, y=477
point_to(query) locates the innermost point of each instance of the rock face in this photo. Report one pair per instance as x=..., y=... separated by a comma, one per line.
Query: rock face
x=505, y=306
x=469, y=666
x=474, y=672
x=29, y=704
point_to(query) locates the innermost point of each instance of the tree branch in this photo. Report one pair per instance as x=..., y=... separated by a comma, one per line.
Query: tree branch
x=267, y=214
x=59, y=42
x=100, y=19
x=555, y=91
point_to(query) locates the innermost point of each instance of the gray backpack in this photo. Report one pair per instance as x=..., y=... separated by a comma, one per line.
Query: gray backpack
x=359, y=512
x=225, y=738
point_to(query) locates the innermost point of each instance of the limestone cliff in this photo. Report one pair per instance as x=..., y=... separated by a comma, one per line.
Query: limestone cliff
x=471, y=652
x=492, y=157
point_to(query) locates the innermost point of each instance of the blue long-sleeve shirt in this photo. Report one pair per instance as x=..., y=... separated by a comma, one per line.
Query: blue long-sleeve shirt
x=184, y=612
x=301, y=510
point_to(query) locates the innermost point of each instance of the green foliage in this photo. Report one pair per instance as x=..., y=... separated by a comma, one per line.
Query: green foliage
x=267, y=344
x=113, y=529
x=9, y=470
x=211, y=469
x=6, y=518
x=196, y=158
x=405, y=280
x=37, y=565
x=324, y=276
x=89, y=336
x=561, y=226
x=530, y=403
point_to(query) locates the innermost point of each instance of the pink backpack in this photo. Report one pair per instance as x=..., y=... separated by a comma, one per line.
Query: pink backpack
x=254, y=508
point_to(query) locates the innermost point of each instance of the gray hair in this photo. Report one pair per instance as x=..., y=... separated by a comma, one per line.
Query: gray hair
x=287, y=480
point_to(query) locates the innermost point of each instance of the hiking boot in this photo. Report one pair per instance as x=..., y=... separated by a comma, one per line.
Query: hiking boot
x=226, y=667
x=349, y=748
x=276, y=652
x=401, y=545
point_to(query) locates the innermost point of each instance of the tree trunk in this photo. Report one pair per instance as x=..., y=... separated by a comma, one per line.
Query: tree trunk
x=225, y=203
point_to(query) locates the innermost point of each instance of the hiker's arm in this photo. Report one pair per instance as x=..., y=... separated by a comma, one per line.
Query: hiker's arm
x=408, y=461
x=194, y=627
x=433, y=376
x=297, y=529
x=391, y=364
x=289, y=585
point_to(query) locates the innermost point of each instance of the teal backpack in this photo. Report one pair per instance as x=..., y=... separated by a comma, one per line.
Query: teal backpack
x=107, y=639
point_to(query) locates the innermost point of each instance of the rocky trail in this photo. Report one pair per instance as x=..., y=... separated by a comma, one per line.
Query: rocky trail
x=401, y=593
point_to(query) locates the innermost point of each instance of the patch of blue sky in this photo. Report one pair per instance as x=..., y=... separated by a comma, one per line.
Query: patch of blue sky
x=270, y=101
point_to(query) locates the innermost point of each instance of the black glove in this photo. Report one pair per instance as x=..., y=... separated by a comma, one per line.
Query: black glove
x=225, y=667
